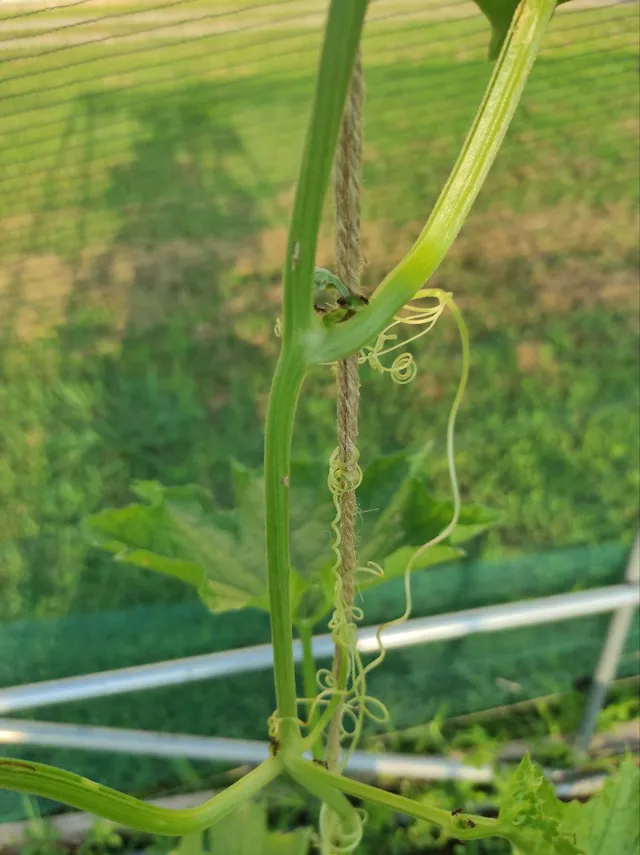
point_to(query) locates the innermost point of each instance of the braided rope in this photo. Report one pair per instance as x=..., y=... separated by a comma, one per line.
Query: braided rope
x=347, y=169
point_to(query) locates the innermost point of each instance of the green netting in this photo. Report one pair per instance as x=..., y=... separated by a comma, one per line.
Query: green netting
x=465, y=675
x=34, y=650
x=143, y=192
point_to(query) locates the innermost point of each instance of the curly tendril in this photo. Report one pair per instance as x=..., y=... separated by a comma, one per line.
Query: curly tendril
x=332, y=828
x=344, y=476
x=429, y=318
x=346, y=694
x=403, y=369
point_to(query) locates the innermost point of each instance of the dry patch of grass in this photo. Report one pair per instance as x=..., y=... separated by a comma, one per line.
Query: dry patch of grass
x=576, y=255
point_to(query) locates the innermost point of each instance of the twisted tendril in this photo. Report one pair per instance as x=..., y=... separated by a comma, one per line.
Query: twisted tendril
x=349, y=695
x=403, y=369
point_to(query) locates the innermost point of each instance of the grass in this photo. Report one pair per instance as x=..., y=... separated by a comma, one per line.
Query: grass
x=144, y=192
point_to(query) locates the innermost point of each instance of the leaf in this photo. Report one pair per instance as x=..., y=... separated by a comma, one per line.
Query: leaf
x=244, y=832
x=531, y=815
x=500, y=14
x=190, y=844
x=407, y=512
x=535, y=820
x=311, y=510
x=179, y=534
x=609, y=824
x=384, y=477
x=425, y=517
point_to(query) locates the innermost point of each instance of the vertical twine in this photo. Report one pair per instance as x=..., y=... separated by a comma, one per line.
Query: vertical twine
x=346, y=180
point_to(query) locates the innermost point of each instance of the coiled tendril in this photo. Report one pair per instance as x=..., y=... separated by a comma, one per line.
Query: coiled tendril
x=403, y=368
x=345, y=694
x=349, y=694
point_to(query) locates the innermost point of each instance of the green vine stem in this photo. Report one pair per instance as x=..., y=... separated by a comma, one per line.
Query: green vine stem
x=38, y=779
x=458, y=826
x=344, y=26
x=305, y=341
x=298, y=768
x=454, y=203
x=342, y=36
x=282, y=404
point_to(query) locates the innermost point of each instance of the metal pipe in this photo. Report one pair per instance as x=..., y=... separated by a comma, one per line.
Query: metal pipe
x=258, y=657
x=610, y=656
x=251, y=752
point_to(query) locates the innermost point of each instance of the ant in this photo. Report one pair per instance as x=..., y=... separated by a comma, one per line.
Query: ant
x=274, y=746
x=468, y=822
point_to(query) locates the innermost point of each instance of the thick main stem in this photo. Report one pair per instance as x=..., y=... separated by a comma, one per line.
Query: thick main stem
x=348, y=262
x=283, y=398
x=37, y=779
x=342, y=36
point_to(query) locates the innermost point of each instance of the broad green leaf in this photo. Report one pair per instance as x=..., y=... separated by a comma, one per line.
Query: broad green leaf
x=384, y=478
x=531, y=815
x=190, y=844
x=180, y=532
x=179, y=535
x=536, y=821
x=314, y=599
x=241, y=832
x=409, y=514
x=425, y=517
x=154, y=493
x=609, y=823
x=311, y=510
x=249, y=516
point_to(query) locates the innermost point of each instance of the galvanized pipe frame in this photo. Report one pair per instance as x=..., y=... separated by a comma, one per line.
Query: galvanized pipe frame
x=235, y=751
x=248, y=752
x=612, y=648
x=242, y=751
x=622, y=599
x=613, y=598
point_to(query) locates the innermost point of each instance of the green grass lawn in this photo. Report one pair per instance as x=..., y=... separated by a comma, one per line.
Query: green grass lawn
x=144, y=191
